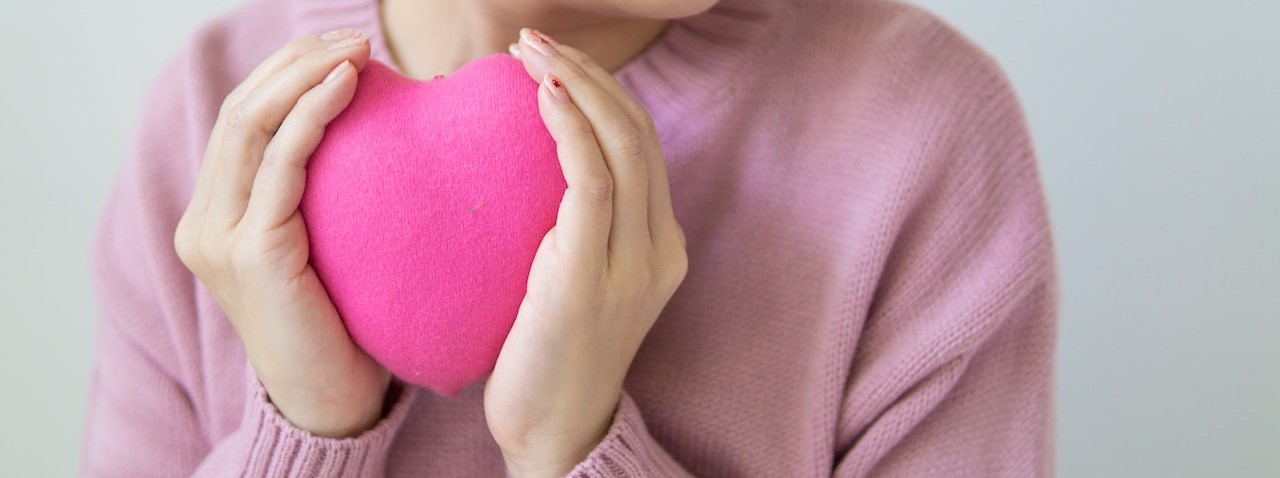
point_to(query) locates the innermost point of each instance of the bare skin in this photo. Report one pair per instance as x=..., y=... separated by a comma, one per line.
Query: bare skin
x=599, y=279
x=435, y=37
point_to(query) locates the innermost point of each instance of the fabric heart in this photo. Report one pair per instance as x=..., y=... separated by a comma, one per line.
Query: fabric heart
x=424, y=206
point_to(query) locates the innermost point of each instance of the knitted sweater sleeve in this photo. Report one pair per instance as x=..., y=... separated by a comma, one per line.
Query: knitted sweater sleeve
x=149, y=411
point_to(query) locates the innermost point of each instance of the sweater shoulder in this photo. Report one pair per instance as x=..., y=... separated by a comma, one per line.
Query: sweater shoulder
x=244, y=35
x=183, y=98
x=894, y=75
x=885, y=92
x=221, y=52
x=891, y=49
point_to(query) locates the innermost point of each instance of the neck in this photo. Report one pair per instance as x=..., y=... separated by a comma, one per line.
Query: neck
x=435, y=37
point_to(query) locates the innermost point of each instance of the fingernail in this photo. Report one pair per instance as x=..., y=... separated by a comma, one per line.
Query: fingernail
x=337, y=71
x=340, y=34
x=514, y=49
x=538, y=41
x=556, y=86
x=359, y=38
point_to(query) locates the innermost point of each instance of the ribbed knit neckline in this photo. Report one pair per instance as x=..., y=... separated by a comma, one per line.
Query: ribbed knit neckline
x=689, y=65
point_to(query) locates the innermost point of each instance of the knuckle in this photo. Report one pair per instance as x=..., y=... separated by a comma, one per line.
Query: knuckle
x=303, y=109
x=305, y=118
x=630, y=142
x=678, y=268
x=645, y=121
x=242, y=122
x=229, y=103
x=271, y=173
x=268, y=171
x=267, y=174
x=236, y=116
x=600, y=187
x=184, y=243
x=581, y=127
x=270, y=156
x=572, y=74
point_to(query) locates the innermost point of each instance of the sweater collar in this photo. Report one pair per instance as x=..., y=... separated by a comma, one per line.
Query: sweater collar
x=690, y=65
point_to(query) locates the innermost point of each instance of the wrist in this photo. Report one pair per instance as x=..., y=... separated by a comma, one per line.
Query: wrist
x=333, y=417
x=533, y=469
x=551, y=459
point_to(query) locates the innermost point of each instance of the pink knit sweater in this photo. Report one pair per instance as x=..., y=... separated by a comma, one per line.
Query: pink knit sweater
x=871, y=289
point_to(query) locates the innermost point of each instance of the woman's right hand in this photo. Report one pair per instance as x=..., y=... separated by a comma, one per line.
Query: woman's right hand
x=243, y=237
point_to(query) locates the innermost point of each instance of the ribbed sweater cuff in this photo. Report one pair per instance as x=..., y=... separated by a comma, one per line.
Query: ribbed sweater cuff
x=628, y=450
x=280, y=449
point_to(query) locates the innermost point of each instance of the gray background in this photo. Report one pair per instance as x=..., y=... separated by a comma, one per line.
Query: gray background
x=1158, y=128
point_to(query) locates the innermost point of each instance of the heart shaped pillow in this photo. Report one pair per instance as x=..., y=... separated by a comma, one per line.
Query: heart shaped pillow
x=424, y=205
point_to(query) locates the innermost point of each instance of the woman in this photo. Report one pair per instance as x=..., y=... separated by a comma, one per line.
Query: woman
x=799, y=239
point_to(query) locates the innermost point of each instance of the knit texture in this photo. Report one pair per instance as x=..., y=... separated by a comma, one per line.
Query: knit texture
x=871, y=288
x=425, y=204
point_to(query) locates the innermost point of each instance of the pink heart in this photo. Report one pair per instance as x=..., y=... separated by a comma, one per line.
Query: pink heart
x=424, y=205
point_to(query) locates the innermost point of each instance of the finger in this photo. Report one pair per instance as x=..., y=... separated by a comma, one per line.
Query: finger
x=278, y=186
x=277, y=61
x=249, y=126
x=662, y=222
x=606, y=81
x=621, y=141
x=285, y=56
x=586, y=211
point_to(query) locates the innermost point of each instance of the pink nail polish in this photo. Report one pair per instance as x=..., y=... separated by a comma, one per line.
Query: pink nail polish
x=539, y=41
x=556, y=86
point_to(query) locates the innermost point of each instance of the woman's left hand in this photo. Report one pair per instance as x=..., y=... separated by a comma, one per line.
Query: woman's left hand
x=600, y=277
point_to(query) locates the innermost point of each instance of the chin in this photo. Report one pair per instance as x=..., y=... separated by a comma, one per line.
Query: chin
x=664, y=9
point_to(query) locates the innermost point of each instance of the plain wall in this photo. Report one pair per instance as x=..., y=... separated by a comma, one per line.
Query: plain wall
x=1158, y=129
x=72, y=75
